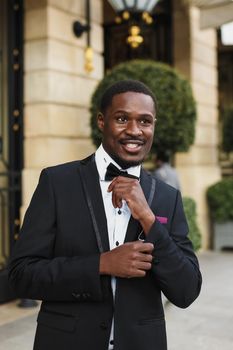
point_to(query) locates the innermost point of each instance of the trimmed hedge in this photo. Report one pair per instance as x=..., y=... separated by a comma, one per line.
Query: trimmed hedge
x=191, y=215
x=220, y=200
x=228, y=130
x=176, y=115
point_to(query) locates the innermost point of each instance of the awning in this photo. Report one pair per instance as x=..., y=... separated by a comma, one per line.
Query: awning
x=214, y=13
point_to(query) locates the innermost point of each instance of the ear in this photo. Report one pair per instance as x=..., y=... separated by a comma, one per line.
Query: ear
x=100, y=121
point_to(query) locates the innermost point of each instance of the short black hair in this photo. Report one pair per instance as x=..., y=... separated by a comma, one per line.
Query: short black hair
x=122, y=86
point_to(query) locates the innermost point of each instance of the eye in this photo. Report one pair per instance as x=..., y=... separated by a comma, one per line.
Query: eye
x=145, y=121
x=122, y=119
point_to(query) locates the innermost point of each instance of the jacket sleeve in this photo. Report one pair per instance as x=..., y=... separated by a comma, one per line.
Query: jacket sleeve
x=175, y=265
x=34, y=272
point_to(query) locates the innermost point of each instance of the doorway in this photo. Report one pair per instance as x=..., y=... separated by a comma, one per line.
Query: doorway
x=11, y=107
x=157, y=44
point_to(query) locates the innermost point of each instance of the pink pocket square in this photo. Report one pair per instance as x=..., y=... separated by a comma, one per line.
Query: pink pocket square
x=161, y=219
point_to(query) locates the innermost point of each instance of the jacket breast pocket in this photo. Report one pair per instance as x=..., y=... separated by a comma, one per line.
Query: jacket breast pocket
x=57, y=321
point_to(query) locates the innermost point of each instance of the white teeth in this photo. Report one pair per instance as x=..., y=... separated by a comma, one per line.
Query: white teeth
x=132, y=145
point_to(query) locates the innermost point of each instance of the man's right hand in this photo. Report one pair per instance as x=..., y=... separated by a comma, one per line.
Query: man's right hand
x=129, y=260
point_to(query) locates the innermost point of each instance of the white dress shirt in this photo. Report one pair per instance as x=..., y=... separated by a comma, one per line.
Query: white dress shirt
x=117, y=220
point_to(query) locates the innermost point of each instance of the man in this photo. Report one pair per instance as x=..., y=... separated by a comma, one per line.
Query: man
x=98, y=245
x=165, y=171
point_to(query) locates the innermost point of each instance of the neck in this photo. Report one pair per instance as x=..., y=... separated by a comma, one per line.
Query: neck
x=123, y=164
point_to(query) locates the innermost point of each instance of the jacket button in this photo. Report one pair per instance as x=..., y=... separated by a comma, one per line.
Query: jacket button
x=103, y=325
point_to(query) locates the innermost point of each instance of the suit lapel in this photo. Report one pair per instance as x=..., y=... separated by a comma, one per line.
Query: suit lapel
x=90, y=179
x=145, y=182
x=134, y=227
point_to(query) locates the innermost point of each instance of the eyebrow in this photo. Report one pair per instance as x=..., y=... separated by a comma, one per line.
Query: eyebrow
x=143, y=114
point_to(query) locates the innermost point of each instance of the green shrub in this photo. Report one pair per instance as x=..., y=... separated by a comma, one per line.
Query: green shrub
x=191, y=215
x=176, y=115
x=220, y=200
x=228, y=130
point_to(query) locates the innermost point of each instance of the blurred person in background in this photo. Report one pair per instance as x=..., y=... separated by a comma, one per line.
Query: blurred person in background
x=164, y=171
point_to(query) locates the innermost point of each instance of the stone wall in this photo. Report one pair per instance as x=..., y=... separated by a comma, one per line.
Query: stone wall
x=195, y=54
x=57, y=88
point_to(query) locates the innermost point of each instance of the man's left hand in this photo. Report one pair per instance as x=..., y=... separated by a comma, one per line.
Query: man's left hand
x=124, y=188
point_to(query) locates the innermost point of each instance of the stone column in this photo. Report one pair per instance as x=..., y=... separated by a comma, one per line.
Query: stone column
x=57, y=88
x=195, y=55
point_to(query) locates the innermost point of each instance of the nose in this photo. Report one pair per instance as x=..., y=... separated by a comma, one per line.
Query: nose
x=133, y=128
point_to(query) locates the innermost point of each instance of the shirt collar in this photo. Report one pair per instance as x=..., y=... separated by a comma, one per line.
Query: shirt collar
x=103, y=159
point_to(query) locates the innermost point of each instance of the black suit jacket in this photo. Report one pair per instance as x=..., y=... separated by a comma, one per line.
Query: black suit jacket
x=56, y=260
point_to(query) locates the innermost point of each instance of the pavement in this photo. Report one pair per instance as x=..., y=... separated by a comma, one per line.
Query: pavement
x=206, y=325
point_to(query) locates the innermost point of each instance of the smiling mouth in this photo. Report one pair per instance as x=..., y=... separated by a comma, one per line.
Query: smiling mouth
x=132, y=145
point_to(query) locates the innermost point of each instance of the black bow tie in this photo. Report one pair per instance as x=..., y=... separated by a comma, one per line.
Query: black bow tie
x=113, y=171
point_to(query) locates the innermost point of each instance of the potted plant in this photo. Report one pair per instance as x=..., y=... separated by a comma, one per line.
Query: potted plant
x=191, y=216
x=220, y=200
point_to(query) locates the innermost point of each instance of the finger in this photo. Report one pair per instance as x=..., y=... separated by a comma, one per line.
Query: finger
x=146, y=247
x=118, y=202
x=145, y=257
x=136, y=273
x=123, y=182
x=111, y=186
x=125, y=179
x=139, y=246
x=144, y=266
x=126, y=185
x=118, y=187
x=117, y=198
